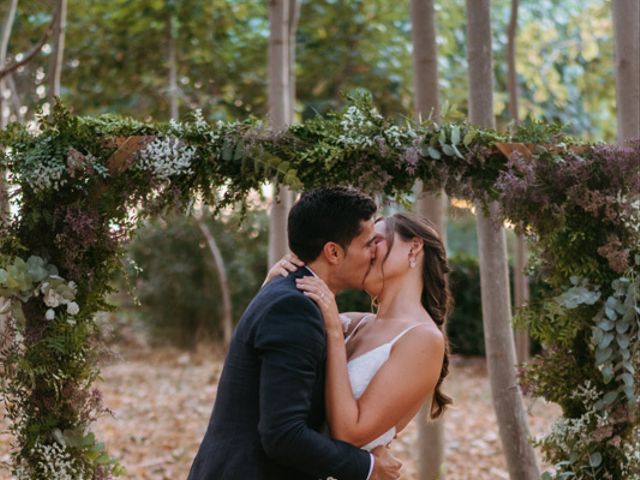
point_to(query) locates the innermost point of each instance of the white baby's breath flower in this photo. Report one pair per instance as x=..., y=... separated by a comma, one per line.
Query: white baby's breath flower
x=53, y=462
x=50, y=315
x=47, y=175
x=166, y=157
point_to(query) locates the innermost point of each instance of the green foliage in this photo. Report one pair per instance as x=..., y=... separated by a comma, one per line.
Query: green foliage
x=564, y=58
x=180, y=299
x=616, y=325
x=464, y=328
x=575, y=202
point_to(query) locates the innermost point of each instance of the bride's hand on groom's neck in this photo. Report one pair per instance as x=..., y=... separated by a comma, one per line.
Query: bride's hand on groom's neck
x=317, y=290
x=287, y=264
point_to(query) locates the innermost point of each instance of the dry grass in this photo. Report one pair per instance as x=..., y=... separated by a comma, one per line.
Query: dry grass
x=161, y=400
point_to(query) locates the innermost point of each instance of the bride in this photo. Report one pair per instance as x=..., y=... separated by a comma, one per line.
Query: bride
x=382, y=367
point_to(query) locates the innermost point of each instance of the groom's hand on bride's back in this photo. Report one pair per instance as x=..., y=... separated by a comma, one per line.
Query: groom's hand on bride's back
x=386, y=467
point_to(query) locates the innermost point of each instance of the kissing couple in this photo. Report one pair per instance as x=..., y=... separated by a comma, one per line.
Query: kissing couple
x=309, y=393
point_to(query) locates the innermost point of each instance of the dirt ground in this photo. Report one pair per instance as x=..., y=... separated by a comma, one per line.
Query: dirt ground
x=161, y=400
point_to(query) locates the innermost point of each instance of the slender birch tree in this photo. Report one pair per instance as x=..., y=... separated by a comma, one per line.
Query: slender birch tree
x=225, y=292
x=494, y=279
x=626, y=25
x=5, y=35
x=430, y=447
x=280, y=109
x=521, y=281
x=57, y=55
x=172, y=63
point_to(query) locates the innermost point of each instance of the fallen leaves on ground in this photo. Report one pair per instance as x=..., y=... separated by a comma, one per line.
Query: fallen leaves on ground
x=161, y=400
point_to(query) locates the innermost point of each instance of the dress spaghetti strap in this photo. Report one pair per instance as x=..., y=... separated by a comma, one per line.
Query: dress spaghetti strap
x=399, y=336
x=355, y=329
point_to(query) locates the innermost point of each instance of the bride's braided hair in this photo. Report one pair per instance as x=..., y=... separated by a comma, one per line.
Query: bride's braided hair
x=436, y=296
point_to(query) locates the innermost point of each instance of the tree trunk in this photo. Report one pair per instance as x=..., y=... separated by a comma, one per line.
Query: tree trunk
x=279, y=117
x=15, y=97
x=173, y=67
x=227, y=318
x=294, y=18
x=494, y=277
x=521, y=285
x=4, y=45
x=512, y=81
x=626, y=25
x=430, y=447
x=55, y=65
x=521, y=282
x=31, y=54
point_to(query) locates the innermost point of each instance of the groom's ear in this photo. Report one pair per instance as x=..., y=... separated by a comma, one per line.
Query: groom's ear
x=333, y=253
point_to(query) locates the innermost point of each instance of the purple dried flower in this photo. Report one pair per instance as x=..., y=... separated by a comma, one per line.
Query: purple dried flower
x=411, y=157
x=617, y=256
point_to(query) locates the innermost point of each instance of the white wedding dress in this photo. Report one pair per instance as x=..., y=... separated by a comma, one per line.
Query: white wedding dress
x=363, y=368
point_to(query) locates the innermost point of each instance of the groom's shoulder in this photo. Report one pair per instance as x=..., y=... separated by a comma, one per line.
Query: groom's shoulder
x=283, y=292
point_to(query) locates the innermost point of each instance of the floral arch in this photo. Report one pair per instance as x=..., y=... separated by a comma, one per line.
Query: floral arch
x=84, y=183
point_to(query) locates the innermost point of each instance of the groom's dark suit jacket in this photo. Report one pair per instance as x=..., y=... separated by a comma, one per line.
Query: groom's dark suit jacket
x=270, y=401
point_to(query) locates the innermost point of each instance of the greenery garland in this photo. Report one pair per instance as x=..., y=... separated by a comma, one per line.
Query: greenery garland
x=83, y=184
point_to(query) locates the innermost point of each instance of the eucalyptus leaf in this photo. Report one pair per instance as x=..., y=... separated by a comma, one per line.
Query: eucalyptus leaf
x=623, y=341
x=434, y=153
x=607, y=338
x=448, y=150
x=612, y=302
x=610, y=397
x=595, y=459
x=457, y=152
x=597, y=335
x=629, y=393
x=443, y=137
x=626, y=378
x=36, y=268
x=455, y=135
x=468, y=138
x=606, y=325
x=622, y=326
x=602, y=355
x=627, y=365
x=628, y=315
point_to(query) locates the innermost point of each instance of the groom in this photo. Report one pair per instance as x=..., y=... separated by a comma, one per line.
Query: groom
x=269, y=408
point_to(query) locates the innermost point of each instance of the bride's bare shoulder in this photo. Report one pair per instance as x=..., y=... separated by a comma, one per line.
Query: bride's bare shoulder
x=424, y=335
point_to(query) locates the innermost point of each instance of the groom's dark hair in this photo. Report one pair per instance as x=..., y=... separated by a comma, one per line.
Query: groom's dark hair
x=332, y=214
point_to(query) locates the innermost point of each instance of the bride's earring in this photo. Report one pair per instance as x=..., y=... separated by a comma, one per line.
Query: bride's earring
x=374, y=304
x=412, y=260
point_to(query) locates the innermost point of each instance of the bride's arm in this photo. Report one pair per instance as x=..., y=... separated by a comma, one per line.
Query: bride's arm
x=400, y=386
